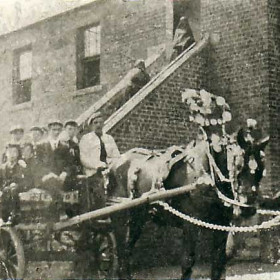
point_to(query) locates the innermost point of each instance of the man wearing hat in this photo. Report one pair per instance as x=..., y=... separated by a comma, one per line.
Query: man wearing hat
x=53, y=155
x=37, y=136
x=97, y=151
x=74, y=166
x=17, y=133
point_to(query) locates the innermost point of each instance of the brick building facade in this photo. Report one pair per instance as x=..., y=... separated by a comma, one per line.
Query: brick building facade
x=41, y=64
x=241, y=64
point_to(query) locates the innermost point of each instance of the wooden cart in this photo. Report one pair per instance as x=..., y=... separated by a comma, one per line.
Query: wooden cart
x=45, y=235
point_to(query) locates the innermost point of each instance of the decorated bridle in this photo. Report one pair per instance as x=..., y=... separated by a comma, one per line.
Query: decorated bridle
x=211, y=111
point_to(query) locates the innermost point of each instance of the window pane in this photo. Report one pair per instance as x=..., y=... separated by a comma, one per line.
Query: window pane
x=25, y=66
x=92, y=41
x=91, y=72
x=23, y=91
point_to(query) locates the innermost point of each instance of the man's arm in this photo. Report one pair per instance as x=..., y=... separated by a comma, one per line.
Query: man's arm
x=111, y=148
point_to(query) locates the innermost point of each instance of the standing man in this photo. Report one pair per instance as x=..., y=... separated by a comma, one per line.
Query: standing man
x=30, y=166
x=37, y=136
x=97, y=151
x=74, y=166
x=54, y=157
x=17, y=133
x=183, y=37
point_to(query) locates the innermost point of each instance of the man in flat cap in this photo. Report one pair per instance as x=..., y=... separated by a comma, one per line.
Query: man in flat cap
x=16, y=133
x=54, y=156
x=37, y=137
x=97, y=151
x=74, y=166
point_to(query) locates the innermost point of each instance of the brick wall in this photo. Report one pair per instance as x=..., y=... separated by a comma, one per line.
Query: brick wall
x=129, y=30
x=238, y=65
x=274, y=88
x=244, y=67
x=161, y=119
x=270, y=240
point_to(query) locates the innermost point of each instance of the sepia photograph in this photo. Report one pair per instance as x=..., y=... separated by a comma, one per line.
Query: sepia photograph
x=140, y=139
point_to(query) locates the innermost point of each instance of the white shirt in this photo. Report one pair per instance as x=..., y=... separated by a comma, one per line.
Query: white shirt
x=90, y=150
x=54, y=143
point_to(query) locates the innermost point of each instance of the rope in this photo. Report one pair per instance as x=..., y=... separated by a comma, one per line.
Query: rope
x=264, y=225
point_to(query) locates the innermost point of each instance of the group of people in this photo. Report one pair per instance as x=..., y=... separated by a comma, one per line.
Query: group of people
x=53, y=160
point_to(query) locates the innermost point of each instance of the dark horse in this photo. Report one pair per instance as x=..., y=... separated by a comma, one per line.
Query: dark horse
x=139, y=171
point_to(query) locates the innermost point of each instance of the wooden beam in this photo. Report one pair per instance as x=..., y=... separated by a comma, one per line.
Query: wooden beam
x=106, y=211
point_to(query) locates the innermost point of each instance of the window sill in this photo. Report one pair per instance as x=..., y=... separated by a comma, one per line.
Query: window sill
x=88, y=90
x=22, y=106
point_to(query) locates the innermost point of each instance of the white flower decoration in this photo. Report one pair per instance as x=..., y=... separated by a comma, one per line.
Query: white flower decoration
x=251, y=123
x=199, y=119
x=226, y=116
x=220, y=101
x=213, y=122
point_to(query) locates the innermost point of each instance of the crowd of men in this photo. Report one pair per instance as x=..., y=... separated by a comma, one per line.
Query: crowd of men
x=52, y=159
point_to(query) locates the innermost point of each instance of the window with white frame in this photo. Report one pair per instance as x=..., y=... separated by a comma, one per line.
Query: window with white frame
x=22, y=75
x=88, y=54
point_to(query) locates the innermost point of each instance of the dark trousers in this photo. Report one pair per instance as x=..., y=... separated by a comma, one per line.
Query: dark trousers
x=10, y=202
x=96, y=192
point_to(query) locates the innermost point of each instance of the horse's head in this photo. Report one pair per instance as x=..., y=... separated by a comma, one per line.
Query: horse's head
x=250, y=170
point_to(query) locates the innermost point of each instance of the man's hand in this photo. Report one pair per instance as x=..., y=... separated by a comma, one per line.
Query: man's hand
x=102, y=166
x=63, y=176
x=49, y=176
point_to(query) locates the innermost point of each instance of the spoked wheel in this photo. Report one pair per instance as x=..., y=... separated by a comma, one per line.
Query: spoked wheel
x=12, y=261
x=105, y=255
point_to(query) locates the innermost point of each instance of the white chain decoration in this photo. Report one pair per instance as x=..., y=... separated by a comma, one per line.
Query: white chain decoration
x=268, y=212
x=265, y=225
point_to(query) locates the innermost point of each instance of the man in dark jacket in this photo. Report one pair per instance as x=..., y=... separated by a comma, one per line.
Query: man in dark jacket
x=12, y=183
x=54, y=159
x=139, y=78
x=30, y=167
x=73, y=164
x=183, y=37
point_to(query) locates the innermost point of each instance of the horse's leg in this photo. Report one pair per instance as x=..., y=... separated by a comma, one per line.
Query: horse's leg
x=219, y=257
x=127, y=231
x=190, y=235
x=136, y=225
x=120, y=223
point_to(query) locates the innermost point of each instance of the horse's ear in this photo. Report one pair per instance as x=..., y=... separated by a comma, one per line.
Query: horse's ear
x=263, y=143
x=241, y=139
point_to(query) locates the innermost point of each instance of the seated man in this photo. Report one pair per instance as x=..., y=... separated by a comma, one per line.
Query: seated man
x=139, y=79
x=53, y=160
x=97, y=150
x=30, y=166
x=12, y=183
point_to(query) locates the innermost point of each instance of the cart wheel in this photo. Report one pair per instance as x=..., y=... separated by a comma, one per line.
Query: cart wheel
x=105, y=255
x=12, y=261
